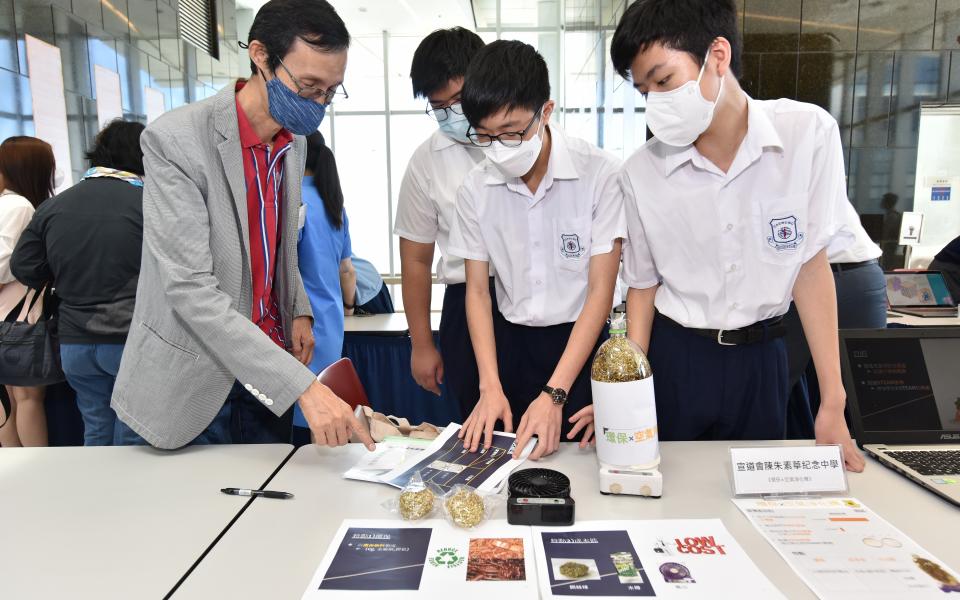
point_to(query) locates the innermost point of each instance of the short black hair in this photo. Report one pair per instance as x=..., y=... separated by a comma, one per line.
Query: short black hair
x=505, y=74
x=279, y=23
x=441, y=56
x=686, y=25
x=117, y=146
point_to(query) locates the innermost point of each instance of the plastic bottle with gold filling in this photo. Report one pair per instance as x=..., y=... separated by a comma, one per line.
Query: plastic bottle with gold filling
x=624, y=406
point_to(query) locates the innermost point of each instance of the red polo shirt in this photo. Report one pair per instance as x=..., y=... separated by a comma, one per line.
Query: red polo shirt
x=263, y=174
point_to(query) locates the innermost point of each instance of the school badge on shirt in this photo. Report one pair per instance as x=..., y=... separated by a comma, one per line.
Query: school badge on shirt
x=786, y=235
x=570, y=246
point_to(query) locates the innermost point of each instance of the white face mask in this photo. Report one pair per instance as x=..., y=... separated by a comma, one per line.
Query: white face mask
x=455, y=126
x=516, y=161
x=58, y=178
x=680, y=116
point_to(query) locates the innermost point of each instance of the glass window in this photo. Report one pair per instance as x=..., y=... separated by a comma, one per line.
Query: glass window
x=401, y=88
x=581, y=71
x=364, y=77
x=530, y=13
x=485, y=12
x=362, y=162
x=407, y=132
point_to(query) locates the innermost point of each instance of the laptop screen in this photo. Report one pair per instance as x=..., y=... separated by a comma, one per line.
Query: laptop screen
x=917, y=289
x=904, y=381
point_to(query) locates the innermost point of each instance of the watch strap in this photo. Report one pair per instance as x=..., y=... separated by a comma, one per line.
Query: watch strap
x=558, y=395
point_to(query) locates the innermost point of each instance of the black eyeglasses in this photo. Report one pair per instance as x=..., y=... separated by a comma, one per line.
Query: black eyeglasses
x=442, y=113
x=312, y=92
x=510, y=139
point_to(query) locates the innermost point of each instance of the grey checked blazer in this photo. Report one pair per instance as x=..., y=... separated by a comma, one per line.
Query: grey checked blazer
x=192, y=335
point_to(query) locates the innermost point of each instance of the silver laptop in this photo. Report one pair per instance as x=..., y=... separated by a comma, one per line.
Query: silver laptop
x=903, y=390
x=919, y=293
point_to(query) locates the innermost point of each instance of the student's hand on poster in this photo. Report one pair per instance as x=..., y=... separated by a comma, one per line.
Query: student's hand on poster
x=331, y=419
x=493, y=405
x=427, y=368
x=583, y=419
x=302, y=333
x=543, y=419
x=831, y=428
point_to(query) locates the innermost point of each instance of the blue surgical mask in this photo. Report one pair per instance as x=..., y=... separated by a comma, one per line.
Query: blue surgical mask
x=300, y=116
x=455, y=127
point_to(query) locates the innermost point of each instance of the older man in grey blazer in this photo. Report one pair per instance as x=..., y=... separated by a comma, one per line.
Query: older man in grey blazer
x=221, y=330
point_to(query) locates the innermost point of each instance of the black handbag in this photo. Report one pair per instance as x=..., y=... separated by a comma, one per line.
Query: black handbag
x=30, y=352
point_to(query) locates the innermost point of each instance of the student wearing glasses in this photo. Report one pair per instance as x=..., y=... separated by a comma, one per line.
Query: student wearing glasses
x=426, y=212
x=544, y=211
x=221, y=334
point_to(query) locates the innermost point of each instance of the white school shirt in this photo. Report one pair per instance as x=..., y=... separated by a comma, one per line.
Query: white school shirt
x=539, y=245
x=862, y=248
x=727, y=247
x=15, y=214
x=426, y=207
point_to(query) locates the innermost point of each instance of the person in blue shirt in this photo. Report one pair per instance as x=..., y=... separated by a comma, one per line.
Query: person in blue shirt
x=326, y=269
x=373, y=296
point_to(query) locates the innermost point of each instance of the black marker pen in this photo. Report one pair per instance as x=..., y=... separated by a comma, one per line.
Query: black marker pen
x=255, y=493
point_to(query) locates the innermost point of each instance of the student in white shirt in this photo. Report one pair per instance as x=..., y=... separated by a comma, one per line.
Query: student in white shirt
x=545, y=212
x=861, y=304
x=730, y=212
x=426, y=212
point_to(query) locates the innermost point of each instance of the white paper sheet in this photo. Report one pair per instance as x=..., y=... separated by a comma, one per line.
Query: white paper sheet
x=841, y=549
x=679, y=558
x=49, y=103
x=390, y=454
x=447, y=463
x=109, y=104
x=430, y=559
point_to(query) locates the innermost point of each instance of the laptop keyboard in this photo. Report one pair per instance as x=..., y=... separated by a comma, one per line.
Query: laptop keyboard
x=929, y=462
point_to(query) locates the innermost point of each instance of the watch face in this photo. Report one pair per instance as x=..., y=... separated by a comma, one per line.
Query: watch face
x=559, y=396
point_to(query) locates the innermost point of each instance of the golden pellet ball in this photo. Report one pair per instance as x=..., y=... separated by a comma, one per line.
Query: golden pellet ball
x=465, y=508
x=416, y=505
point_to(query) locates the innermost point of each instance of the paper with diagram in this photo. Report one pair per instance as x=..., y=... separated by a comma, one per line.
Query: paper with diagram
x=842, y=549
x=447, y=463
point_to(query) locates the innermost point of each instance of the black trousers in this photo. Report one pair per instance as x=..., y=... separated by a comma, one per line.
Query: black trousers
x=706, y=391
x=527, y=357
x=461, y=380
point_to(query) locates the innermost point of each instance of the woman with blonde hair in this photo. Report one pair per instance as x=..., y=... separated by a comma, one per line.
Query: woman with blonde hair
x=27, y=170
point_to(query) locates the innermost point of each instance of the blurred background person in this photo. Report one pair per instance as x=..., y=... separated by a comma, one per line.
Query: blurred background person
x=325, y=266
x=373, y=295
x=87, y=241
x=27, y=169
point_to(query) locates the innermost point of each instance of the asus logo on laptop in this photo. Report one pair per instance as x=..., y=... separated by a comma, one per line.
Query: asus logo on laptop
x=950, y=436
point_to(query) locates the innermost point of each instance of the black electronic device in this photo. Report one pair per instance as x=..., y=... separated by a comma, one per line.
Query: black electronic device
x=539, y=497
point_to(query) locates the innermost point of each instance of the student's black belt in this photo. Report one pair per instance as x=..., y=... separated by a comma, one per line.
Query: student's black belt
x=841, y=267
x=761, y=331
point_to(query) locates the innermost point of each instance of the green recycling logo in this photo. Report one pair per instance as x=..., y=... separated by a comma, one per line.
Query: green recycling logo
x=447, y=557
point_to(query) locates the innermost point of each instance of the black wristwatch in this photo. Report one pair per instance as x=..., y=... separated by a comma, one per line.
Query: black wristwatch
x=558, y=395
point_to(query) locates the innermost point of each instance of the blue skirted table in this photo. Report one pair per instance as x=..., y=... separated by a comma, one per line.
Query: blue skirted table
x=379, y=346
